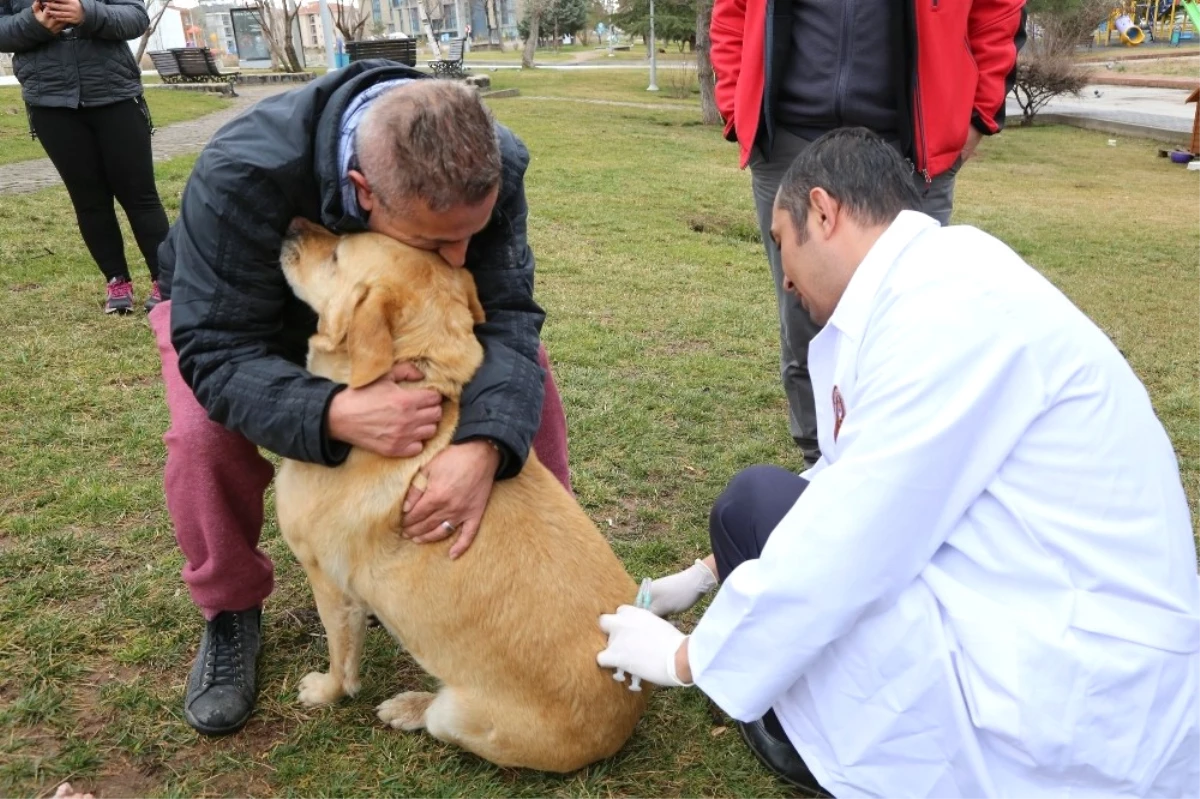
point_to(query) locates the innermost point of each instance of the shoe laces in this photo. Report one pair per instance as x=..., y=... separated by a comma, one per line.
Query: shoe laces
x=120, y=289
x=224, y=664
x=155, y=294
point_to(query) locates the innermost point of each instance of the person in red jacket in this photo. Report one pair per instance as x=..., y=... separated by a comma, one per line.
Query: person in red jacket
x=930, y=76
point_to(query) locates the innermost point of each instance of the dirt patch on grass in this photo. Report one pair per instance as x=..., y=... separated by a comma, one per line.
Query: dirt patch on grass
x=671, y=347
x=122, y=777
x=726, y=227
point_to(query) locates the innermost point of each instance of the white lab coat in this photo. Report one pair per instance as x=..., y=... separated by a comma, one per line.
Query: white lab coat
x=989, y=587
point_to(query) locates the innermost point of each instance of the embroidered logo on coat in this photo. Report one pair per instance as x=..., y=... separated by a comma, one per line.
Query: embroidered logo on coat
x=839, y=412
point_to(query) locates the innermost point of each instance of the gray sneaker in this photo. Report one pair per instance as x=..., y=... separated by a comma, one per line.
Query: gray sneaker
x=223, y=684
x=119, y=296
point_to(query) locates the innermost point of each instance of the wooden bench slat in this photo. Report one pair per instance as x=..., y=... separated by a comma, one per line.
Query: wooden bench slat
x=403, y=51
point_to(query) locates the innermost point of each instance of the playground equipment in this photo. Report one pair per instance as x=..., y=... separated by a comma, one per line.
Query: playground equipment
x=1130, y=33
x=1138, y=21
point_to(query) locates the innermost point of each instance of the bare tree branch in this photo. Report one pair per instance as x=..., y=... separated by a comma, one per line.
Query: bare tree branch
x=145, y=40
x=351, y=18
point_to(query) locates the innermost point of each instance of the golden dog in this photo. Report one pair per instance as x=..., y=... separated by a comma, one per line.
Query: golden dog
x=510, y=628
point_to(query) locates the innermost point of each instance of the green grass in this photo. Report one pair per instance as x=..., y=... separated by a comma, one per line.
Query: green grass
x=591, y=53
x=664, y=344
x=616, y=85
x=1182, y=67
x=165, y=107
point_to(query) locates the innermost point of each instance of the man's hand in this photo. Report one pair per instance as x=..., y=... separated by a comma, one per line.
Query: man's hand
x=68, y=12
x=41, y=12
x=458, y=483
x=973, y=139
x=385, y=418
x=645, y=646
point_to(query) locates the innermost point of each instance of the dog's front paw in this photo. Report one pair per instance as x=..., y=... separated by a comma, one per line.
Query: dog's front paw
x=319, y=689
x=406, y=711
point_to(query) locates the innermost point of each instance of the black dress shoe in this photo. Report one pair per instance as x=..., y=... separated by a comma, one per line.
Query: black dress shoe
x=223, y=684
x=770, y=745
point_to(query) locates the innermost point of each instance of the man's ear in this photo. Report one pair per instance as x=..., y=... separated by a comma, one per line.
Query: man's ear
x=823, y=210
x=362, y=190
x=368, y=333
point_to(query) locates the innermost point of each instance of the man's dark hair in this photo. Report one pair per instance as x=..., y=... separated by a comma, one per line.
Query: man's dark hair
x=858, y=169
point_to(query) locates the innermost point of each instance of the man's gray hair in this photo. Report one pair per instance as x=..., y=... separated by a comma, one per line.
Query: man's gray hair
x=434, y=140
x=858, y=169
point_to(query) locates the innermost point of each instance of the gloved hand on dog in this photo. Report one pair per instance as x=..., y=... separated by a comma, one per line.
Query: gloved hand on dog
x=641, y=644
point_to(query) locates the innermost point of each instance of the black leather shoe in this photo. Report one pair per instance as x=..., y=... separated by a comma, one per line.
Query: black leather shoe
x=770, y=745
x=223, y=684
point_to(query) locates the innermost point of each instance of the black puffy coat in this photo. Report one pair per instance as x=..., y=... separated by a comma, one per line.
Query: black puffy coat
x=85, y=65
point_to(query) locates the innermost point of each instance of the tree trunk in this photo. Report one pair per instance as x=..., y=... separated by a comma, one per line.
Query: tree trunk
x=290, y=12
x=704, y=70
x=293, y=60
x=535, y=17
x=267, y=20
x=145, y=40
x=434, y=49
x=492, y=13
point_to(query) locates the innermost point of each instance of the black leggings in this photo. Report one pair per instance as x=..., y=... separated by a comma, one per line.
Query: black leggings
x=102, y=153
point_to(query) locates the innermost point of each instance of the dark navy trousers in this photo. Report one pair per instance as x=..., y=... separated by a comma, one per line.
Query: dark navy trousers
x=749, y=508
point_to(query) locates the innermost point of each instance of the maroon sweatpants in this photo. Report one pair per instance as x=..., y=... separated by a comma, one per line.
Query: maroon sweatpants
x=215, y=481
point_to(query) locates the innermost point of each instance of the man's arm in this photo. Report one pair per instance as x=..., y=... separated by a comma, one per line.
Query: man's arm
x=995, y=32
x=728, y=23
x=119, y=20
x=925, y=438
x=227, y=304
x=20, y=32
x=503, y=402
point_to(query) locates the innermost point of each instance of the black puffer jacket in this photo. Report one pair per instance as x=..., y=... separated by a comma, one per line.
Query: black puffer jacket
x=85, y=65
x=241, y=333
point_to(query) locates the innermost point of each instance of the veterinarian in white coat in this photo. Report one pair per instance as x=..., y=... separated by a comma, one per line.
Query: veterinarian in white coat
x=987, y=585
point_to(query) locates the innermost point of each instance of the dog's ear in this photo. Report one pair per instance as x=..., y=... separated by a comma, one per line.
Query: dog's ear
x=472, y=296
x=369, y=335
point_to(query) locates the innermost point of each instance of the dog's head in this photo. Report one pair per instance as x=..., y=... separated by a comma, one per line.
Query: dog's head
x=380, y=302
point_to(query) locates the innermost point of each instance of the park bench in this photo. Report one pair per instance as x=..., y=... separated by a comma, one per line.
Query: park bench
x=189, y=65
x=197, y=65
x=403, y=51
x=166, y=65
x=451, y=66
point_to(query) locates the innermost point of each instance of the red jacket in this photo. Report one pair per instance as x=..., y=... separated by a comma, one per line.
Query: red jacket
x=960, y=55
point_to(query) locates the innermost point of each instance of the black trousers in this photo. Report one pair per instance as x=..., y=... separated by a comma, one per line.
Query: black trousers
x=741, y=521
x=104, y=153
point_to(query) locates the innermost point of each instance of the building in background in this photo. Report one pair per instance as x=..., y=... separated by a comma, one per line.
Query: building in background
x=449, y=17
x=218, y=27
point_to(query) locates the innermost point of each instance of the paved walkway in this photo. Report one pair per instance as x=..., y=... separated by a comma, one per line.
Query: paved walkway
x=1160, y=114
x=170, y=141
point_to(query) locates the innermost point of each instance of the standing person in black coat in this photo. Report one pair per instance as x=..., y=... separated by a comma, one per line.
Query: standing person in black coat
x=84, y=93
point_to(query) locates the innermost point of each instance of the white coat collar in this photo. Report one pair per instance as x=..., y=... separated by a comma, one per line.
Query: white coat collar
x=850, y=315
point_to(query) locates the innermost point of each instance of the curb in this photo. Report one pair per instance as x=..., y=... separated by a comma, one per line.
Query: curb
x=1107, y=78
x=1113, y=126
x=1147, y=55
